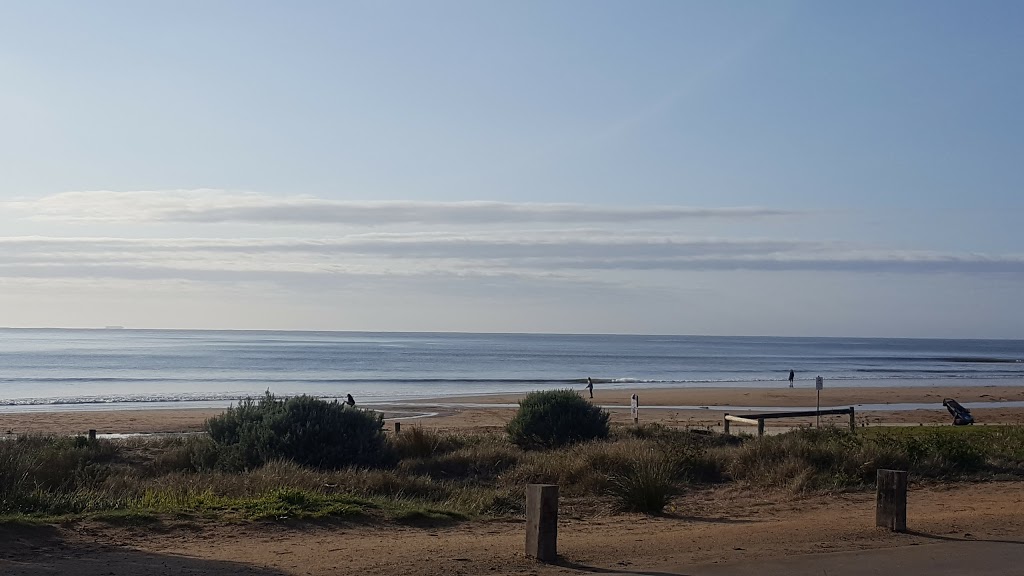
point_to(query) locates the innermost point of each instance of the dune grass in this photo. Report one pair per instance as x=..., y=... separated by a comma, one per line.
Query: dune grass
x=449, y=476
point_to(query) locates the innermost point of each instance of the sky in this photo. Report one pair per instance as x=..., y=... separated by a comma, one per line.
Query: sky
x=790, y=168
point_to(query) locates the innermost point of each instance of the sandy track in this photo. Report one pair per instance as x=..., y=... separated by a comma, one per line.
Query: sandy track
x=714, y=526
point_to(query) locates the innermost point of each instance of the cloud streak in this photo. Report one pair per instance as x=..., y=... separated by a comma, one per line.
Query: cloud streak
x=208, y=206
x=579, y=255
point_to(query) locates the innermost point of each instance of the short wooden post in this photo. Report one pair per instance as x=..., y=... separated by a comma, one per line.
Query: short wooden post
x=542, y=522
x=398, y=427
x=760, y=426
x=891, y=500
x=92, y=435
x=725, y=423
x=853, y=421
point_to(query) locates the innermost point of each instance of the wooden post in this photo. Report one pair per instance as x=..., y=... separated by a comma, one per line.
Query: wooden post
x=92, y=435
x=760, y=426
x=891, y=500
x=853, y=421
x=725, y=423
x=398, y=427
x=542, y=522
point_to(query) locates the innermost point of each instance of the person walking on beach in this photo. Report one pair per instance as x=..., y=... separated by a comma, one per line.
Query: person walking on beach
x=350, y=401
x=791, y=376
x=590, y=386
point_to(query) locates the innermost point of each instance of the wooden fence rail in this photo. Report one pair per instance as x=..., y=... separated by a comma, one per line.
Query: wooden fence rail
x=758, y=419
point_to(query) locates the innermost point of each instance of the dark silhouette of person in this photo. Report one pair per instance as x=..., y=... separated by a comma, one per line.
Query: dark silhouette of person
x=350, y=400
x=791, y=376
x=590, y=386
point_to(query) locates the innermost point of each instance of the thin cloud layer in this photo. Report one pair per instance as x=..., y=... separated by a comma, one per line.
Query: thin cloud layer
x=219, y=206
x=580, y=256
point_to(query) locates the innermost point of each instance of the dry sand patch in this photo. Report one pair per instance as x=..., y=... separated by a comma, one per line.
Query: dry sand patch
x=719, y=525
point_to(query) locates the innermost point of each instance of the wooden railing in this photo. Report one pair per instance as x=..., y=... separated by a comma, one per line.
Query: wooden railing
x=758, y=419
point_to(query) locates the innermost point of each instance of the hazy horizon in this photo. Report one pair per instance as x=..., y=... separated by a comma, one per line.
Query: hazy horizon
x=454, y=332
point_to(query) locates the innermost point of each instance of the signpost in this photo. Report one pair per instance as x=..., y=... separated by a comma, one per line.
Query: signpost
x=819, y=383
x=634, y=408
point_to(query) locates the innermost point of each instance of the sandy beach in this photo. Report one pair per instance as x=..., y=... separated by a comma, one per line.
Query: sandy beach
x=490, y=411
x=710, y=530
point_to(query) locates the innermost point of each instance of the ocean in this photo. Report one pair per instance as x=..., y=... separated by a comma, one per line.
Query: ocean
x=117, y=368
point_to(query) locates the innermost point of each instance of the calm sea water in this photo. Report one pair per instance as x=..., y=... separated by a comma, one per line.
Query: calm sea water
x=150, y=367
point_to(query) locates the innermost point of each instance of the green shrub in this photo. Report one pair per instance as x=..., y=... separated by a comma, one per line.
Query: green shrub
x=304, y=429
x=942, y=451
x=554, y=418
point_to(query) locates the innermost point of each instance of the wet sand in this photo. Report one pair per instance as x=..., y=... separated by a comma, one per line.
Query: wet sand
x=489, y=411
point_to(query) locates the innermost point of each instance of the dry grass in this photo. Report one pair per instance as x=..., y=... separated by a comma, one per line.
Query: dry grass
x=453, y=475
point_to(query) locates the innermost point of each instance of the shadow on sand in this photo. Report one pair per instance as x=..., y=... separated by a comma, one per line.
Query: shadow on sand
x=562, y=562
x=708, y=519
x=960, y=538
x=28, y=550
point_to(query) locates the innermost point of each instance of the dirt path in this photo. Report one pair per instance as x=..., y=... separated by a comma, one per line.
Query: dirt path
x=705, y=528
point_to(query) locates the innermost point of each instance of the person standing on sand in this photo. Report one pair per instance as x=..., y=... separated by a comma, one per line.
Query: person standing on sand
x=590, y=386
x=791, y=376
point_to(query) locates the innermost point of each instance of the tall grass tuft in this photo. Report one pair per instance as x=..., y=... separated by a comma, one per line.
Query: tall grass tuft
x=647, y=484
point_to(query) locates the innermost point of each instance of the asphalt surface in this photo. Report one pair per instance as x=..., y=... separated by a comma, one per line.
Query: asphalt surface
x=977, y=558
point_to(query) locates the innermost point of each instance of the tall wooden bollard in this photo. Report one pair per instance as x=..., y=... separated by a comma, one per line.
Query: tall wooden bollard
x=398, y=427
x=542, y=522
x=92, y=435
x=891, y=500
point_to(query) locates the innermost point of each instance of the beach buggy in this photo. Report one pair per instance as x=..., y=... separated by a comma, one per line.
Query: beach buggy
x=961, y=416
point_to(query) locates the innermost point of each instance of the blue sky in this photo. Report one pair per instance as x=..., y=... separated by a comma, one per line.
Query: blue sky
x=780, y=167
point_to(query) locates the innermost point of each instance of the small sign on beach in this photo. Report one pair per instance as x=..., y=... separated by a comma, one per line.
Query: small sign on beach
x=819, y=383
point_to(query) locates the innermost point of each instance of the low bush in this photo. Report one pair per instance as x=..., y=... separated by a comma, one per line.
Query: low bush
x=304, y=429
x=554, y=418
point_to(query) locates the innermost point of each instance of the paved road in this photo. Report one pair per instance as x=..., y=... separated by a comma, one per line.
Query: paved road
x=977, y=558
